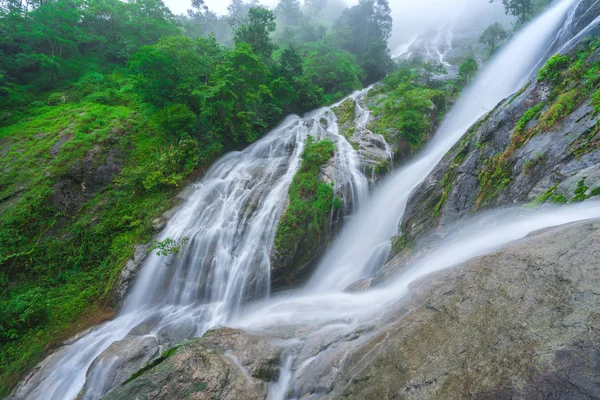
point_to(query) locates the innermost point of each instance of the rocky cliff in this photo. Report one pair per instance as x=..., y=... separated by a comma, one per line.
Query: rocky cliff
x=541, y=145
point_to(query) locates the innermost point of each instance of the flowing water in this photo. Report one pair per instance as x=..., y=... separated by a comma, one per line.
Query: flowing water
x=231, y=219
x=365, y=243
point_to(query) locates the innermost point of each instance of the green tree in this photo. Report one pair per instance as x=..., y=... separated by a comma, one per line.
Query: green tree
x=289, y=12
x=467, y=70
x=364, y=31
x=522, y=9
x=256, y=31
x=239, y=105
x=173, y=70
x=493, y=36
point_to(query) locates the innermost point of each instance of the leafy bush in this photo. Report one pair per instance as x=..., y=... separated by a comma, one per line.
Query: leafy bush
x=22, y=312
x=552, y=70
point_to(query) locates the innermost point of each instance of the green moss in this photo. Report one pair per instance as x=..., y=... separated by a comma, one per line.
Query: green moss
x=306, y=220
x=527, y=117
x=401, y=244
x=403, y=110
x=564, y=105
x=494, y=176
x=58, y=271
x=552, y=70
x=346, y=113
x=163, y=356
x=382, y=167
x=596, y=100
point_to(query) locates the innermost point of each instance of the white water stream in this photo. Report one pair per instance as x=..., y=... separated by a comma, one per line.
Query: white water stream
x=231, y=220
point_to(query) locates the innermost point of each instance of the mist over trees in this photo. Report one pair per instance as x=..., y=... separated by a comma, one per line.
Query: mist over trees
x=523, y=10
x=493, y=36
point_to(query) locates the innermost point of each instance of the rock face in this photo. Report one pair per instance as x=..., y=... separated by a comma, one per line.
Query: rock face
x=521, y=323
x=534, y=147
x=224, y=364
x=85, y=179
x=129, y=272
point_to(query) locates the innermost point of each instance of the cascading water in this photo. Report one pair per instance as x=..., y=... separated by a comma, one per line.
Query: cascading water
x=230, y=221
x=364, y=245
x=356, y=254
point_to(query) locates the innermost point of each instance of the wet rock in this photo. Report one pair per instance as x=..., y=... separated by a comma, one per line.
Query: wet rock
x=129, y=272
x=64, y=138
x=158, y=224
x=29, y=386
x=521, y=323
x=118, y=362
x=86, y=179
x=360, y=285
x=548, y=163
x=224, y=364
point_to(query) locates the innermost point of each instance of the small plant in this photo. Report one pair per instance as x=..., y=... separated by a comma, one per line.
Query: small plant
x=169, y=246
x=532, y=163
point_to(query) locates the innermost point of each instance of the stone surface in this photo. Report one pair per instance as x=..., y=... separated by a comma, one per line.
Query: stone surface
x=559, y=156
x=85, y=179
x=118, y=362
x=521, y=323
x=225, y=364
x=129, y=272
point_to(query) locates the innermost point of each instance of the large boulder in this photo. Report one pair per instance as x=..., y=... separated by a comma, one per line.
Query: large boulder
x=521, y=323
x=225, y=364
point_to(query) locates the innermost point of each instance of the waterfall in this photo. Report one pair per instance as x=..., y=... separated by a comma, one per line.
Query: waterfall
x=231, y=221
x=366, y=242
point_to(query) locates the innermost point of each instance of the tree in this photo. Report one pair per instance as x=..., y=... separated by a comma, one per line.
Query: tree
x=364, y=31
x=493, y=36
x=256, y=31
x=522, y=9
x=467, y=70
x=239, y=105
x=289, y=12
x=173, y=70
x=315, y=6
x=237, y=11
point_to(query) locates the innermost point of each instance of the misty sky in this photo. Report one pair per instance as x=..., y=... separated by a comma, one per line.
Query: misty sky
x=410, y=16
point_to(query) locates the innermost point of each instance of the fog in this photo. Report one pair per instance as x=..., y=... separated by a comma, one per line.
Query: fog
x=411, y=17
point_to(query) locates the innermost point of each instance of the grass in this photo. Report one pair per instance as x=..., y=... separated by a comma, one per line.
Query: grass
x=58, y=269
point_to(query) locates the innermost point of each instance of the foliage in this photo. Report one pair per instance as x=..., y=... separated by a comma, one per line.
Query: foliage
x=522, y=9
x=574, y=79
x=306, y=219
x=553, y=68
x=527, y=117
x=87, y=83
x=255, y=32
x=467, y=70
x=406, y=109
x=493, y=36
x=364, y=30
x=169, y=246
